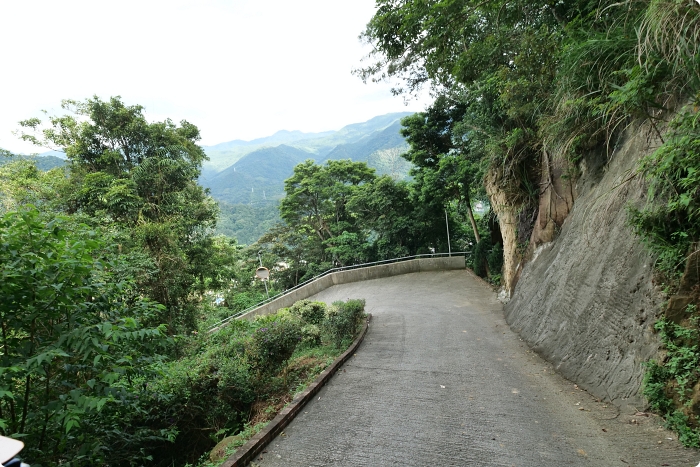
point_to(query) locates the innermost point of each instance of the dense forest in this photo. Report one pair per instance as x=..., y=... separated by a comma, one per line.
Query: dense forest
x=111, y=267
x=113, y=273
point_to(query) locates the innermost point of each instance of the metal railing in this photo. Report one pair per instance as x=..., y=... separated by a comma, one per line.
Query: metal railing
x=330, y=271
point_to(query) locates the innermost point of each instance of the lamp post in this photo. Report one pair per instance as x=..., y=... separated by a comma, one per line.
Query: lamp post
x=263, y=273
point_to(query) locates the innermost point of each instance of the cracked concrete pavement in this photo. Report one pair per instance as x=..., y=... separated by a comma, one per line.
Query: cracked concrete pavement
x=441, y=380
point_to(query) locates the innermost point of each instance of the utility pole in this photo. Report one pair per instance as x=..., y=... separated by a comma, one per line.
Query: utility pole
x=447, y=224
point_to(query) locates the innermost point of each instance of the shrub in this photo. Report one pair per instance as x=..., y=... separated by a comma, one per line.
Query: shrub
x=272, y=344
x=309, y=312
x=311, y=335
x=343, y=319
x=669, y=386
x=495, y=260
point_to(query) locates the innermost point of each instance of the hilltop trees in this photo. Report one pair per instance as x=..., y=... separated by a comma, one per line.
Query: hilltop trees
x=320, y=232
x=317, y=196
x=445, y=166
x=340, y=213
x=138, y=181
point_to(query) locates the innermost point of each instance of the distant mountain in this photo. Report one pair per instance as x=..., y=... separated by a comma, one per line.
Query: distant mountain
x=257, y=177
x=368, y=144
x=281, y=137
x=358, y=131
x=59, y=154
x=42, y=162
x=256, y=170
x=224, y=155
x=351, y=134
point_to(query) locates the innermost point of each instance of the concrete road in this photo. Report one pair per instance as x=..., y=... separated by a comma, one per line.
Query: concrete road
x=440, y=380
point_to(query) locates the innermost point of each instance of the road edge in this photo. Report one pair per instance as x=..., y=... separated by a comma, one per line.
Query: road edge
x=255, y=445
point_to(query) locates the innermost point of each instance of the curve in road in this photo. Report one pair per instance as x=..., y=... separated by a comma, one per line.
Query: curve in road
x=440, y=380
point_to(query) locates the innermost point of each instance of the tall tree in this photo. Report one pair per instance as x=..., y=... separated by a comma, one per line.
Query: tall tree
x=386, y=214
x=317, y=195
x=139, y=181
x=445, y=167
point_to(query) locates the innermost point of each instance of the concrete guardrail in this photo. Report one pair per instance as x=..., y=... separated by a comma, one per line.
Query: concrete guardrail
x=356, y=275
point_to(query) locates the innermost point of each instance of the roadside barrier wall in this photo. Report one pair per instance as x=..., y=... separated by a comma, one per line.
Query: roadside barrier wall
x=356, y=275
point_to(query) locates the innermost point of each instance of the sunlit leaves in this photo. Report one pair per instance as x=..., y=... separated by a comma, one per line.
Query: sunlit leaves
x=72, y=337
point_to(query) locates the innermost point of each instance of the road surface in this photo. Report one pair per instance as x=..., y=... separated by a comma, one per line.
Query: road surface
x=440, y=380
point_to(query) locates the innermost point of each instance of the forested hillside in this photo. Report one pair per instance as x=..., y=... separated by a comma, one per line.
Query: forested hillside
x=256, y=177
x=41, y=162
x=252, y=183
x=112, y=271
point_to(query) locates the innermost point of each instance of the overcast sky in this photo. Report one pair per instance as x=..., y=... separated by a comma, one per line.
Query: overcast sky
x=238, y=69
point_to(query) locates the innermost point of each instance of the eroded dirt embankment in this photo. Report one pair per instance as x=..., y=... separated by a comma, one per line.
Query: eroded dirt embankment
x=586, y=301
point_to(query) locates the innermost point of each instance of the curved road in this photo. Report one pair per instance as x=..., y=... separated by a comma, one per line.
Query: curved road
x=440, y=380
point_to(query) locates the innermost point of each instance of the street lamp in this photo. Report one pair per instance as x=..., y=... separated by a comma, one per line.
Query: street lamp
x=263, y=274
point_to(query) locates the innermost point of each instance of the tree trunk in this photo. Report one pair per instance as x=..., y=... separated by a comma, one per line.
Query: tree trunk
x=473, y=222
x=470, y=213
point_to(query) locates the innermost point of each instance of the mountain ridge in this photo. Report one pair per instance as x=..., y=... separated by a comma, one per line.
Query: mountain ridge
x=253, y=183
x=225, y=154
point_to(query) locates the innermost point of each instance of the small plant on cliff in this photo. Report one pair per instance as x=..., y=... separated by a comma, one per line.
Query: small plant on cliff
x=670, y=223
x=670, y=385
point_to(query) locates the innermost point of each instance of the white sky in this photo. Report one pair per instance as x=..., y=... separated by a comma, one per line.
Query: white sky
x=238, y=69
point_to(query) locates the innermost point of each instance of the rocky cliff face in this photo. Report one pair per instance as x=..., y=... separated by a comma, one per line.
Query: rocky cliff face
x=586, y=300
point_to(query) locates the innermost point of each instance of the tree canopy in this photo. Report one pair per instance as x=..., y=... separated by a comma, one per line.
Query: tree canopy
x=139, y=181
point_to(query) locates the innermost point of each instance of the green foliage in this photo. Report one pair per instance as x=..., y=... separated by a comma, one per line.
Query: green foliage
x=246, y=223
x=670, y=223
x=310, y=335
x=316, y=196
x=495, y=261
x=207, y=391
x=669, y=385
x=343, y=319
x=74, y=346
x=309, y=312
x=214, y=390
x=272, y=344
x=516, y=80
x=238, y=301
x=320, y=231
x=138, y=181
x=22, y=183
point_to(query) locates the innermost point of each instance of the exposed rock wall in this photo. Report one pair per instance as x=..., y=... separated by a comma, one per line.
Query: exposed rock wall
x=556, y=200
x=557, y=195
x=507, y=213
x=586, y=301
